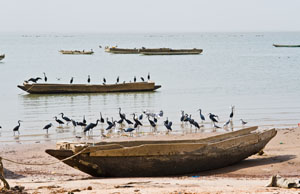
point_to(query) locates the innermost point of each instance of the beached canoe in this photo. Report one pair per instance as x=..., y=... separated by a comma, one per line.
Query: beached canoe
x=76, y=52
x=282, y=45
x=168, y=51
x=44, y=88
x=163, y=158
x=2, y=57
x=116, y=50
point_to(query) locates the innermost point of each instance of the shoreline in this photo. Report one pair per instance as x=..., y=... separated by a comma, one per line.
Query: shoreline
x=281, y=156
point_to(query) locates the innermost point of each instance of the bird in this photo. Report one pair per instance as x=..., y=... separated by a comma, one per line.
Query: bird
x=17, y=127
x=118, y=79
x=152, y=123
x=65, y=118
x=74, y=123
x=231, y=114
x=108, y=122
x=227, y=123
x=90, y=126
x=201, y=115
x=0, y=127
x=168, y=125
x=81, y=124
x=104, y=81
x=216, y=126
x=134, y=79
x=148, y=77
x=138, y=123
x=160, y=114
x=182, y=116
x=101, y=118
x=111, y=125
x=34, y=80
x=129, y=130
x=212, y=117
x=129, y=122
x=141, y=117
x=83, y=120
x=71, y=81
x=60, y=122
x=45, y=77
x=142, y=79
x=195, y=123
x=122, y=116
x=243, y=122
x=47, y=127
x=155, y=119
x=89, y=79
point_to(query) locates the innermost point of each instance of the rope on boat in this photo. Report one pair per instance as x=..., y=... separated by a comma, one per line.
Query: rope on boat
x=41, y=164
x=29, y=88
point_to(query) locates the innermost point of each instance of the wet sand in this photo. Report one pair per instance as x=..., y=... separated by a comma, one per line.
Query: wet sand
x=282, y=156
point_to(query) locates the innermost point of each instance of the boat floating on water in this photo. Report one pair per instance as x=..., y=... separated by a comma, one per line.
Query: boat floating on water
x=45, y=88
x=162, y=157
x=282, y=45
x=76, y=52
x=153, y=51
x=2, y=57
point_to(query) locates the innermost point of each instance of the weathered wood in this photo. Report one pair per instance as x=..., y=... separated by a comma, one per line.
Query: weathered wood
x=283, y=45
x=154, y=51
x=43, y=88
x=76, y=52
x=166, y=159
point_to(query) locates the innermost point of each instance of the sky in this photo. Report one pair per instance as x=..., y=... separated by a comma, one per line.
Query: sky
x=115, y=16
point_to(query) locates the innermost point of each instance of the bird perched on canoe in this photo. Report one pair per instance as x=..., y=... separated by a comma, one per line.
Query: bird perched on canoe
x=104, y=81
x=232, y=112
x=71, y=81
x=34, y=80
x=118, y=79
x=134, y=79
x=47, y=127
x=148, y=77
x=143, y=80
x=45, y=77
x=89, y=79
x=243, y=122
x=17, y=127
x=227, y=123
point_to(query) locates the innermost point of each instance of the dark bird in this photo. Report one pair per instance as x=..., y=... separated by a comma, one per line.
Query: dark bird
x=118, y=79
x=243, y=122
x=182, y=116
x=152, y=123
x=34, y=80
x=129, y=122
x=111, y=126
x=148, y=77
x=196, y=124
x=17, y=127
x=47, y=127
x=161, y=113
x=0, y=127
x=89, y=79
x=74, y=123
x=81, y=124
x=201, y=115
x=108, y=122
x=142, y=79
x=83, y=120
x=141, y=117
x=227, y=123
x=122, y=116
x=166, y=122
x=101, y=118
x=90, y=126
x=45, y=77
x=231, y=114
x=65, y=118
x=71, y=81
x=60, y=122
x=120, y=121
x=212, y=117
x=216, y=126
x=134, y=79
x=155, y=119
x=129, y=130
x=137, y=122
x=168, y=125
x=104, y=81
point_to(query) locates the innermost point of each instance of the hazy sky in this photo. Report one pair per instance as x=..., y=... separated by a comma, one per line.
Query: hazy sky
x=149, y=15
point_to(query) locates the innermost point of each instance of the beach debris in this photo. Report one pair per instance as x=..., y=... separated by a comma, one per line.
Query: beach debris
x=278, y=181
x=6, y=185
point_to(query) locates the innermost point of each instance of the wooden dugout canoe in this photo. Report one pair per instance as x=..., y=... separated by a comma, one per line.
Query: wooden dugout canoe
x=283, y=45
x=168, y=51
x=76, y=52
x=115, y=50
x=164, y=158
x=37, y=88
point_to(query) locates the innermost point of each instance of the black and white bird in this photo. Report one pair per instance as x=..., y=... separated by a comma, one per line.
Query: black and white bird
x=243, y=122
x=47, y=127
x=148, y=77
x=71, y=81
x=134, y=79
x=232, y=112
x=83, y=120
x=89, y=79
x=101, y=118
x=118, y=79
x=74, y=123
x=213, y=117
x=227, y=123
x=16, y=128
x=104, y=81
x=34, y=80
x=60, y=122
x=142, y=79
x=45, y=77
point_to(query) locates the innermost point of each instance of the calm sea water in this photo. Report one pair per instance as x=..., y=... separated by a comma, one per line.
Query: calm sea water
x=241, y=69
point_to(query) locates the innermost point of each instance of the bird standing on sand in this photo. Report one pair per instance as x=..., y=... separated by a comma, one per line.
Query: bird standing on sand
x=71, y=81
x=34, y=80
x=47, y=127
x=45, y=77
x=17, y=127
x=243, y=122
x=89, y=79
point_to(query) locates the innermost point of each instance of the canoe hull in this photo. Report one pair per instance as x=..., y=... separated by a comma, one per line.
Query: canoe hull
x=281, y=45
x=88, y=88
x=208, y=157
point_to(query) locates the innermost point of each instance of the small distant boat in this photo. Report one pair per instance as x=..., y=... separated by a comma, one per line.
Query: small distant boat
x=151, y=158
x=43, y=88
x=2, y=57
x=283, y=45
x=76, y=52
x=169, y=51
x=153, y=51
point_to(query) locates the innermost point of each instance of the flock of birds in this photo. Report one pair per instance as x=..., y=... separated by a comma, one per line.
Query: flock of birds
x=35, y=80
x=129, y=126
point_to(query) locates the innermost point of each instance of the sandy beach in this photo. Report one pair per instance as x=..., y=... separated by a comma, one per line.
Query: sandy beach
x=281, y=156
